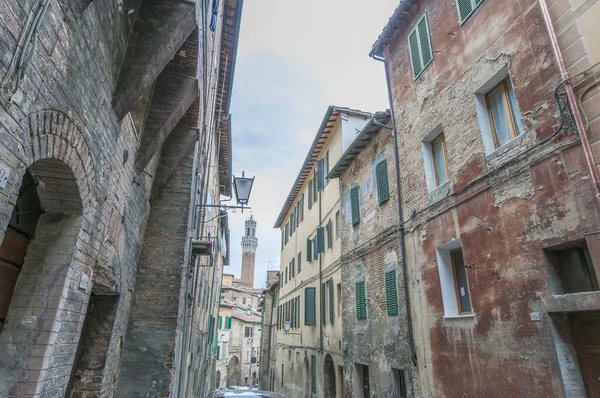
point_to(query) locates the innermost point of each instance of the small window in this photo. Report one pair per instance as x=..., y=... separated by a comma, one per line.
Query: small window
x=244, y=300
x=354, y=204
x=400, y=383
x=391, y=293
x=383, y=189
x=419, y=43
x=500, y=102
x=361, y=300
x=460, y=282
x=339, y=299
x=438, y=154
x=338, y=221
x=466, y=8
x=571, y=269
x=454, y=280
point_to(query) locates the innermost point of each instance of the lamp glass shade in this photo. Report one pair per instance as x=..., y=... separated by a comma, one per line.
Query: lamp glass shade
x=286, y=326
x=242, y=186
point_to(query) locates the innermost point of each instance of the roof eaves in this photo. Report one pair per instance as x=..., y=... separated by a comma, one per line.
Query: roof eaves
x=394, y=23
x=309, y=160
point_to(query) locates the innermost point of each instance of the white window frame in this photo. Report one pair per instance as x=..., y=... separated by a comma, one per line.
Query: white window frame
x=447, y=280
x=428, y=161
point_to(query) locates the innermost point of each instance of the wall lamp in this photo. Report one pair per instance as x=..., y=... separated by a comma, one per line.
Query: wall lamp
x=286, y=329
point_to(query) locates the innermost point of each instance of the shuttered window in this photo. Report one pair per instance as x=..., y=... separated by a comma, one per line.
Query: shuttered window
x=361, y=300
x=466, y=8
x=330, y=288
x=313, y=375
x=383, y=189
x=321, y=174
x=302, y=207
x=320, y=240
x=298, y=311
x=323, y=303
x=218, y=352
x=419, y=43
x=310, y=317
x=309, y=256
x=299, y=262
x=220, y=322
x=391, y=294
x=354, y=205
x=310, y=199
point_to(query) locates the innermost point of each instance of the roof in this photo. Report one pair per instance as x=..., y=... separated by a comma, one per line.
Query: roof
x=360, y=142
x=394, y=23
x=329, y=120
x=232, y=17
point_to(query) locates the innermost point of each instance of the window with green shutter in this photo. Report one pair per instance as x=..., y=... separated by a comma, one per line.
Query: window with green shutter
x=323, y=303
x=220, y=322
x=228, y=322
x=218, y=352
x=391, y=294
x=419, y=43
x=383, y=189
x=310, y=318
x=330, y=287
x=354, y=206
x=299, y=262
x=361, y=300
x=313, y=375
x=320, y=240
x=321, y=174
x=309, y=256
x=310, y=197
x=466, y=8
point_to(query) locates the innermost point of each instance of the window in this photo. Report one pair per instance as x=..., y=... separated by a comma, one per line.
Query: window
x=338, y=220
x=293, y=267
x=419, y=43
x=330, y=291
x=282, y=376
x=320, y=240
x=286, y=233
x=299, y=262
x=215, y=13
x=339, y=299
x=329, y=234
x=309, y=256
x=327, y=168
x=220, y=322
x=383, y=189
x=361, y=300
x=248, y=331
x=282, y=240
x=571, y=269
x=321, y=174
x=228, y=321
x=310, y=318
x=313, y=375
x=218, y=352
x=323, y=305
x=440, y=165
x=315, y=190
x=400, y=389
x=286, y=274
x=500, y=106
x=244, y=300
x=466, y=8
x=453, y=280
x=310, y=197
x=354, y=204
x=391, y=295
x=302, y=207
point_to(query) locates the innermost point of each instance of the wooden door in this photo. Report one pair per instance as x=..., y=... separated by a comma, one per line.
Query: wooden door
x=12, y=254
x=585, y=328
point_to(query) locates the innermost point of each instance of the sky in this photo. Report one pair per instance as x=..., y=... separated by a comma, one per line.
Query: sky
x=295, y=58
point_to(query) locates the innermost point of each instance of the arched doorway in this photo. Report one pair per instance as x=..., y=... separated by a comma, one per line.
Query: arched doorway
x=305, y=379
x=37, y=272
x=329, y=374
x=234, y=372
x=254, y=379
x=218, y=380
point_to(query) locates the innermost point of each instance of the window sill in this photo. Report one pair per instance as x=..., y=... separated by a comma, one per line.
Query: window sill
x=466, y=316
x=504, y=148
x=439, y=193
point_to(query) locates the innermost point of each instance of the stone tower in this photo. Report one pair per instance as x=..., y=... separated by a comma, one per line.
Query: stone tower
x=249, y=245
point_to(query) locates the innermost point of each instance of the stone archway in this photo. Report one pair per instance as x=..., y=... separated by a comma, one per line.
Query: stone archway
x=49, y=299
x=234, y=372
x=305, y=379
x=329, y=374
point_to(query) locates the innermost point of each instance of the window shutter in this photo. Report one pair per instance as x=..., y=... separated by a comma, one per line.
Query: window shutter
x=298, y=311
x=415, y=56
x=361, y=300
x=331, y=301
x=320, y=174
x=299, y=262
x=425, y=41
x=354, y=205
x=293, y=314
x=302, y=208
x=218, y=352
x=465, y=9
x=391, y=294
x=383, y=190
x=320, y=240
x=323, y=303
x=220, y=322
x=313, y=374
x=309, y=257
x=329, y=234
x=310, y=188
x=309, y=306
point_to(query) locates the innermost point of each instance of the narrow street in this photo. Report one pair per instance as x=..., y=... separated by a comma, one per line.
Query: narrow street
x=325, y=198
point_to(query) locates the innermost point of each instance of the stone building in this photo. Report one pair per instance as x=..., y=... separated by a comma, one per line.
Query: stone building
x=374, y=315
x=498, y=193
x=109, y=115
x=268, y=340
x=309, y=354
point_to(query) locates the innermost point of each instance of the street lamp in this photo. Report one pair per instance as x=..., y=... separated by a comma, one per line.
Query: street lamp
x=286, y=328
x=242, y=187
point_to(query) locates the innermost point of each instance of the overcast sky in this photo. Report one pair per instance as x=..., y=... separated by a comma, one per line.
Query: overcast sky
x=295, y=58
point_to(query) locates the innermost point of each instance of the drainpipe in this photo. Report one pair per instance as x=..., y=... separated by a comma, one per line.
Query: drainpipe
x=320, y=273
x=411, y=339
x=575, y=112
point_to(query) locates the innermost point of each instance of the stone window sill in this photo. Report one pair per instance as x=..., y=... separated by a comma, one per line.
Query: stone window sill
x=439, y=193
x=504, y=148
x=466, y=316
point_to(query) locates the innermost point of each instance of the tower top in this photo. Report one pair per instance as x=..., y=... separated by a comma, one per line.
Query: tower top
x=249, y=240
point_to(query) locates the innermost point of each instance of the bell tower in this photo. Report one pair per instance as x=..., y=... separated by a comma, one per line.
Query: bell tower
x=249, y=245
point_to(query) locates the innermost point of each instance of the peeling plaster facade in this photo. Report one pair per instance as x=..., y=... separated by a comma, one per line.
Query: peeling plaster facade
x=505, y=217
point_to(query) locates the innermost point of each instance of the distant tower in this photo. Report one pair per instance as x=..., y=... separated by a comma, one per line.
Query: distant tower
x=249, y=245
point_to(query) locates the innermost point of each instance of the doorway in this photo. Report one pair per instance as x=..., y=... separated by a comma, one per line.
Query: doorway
x=585, y=329
x=361, y=381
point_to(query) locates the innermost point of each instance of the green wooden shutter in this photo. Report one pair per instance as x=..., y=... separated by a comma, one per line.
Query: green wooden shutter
x=361, y=300
x=331, y=315
x=322, y=303
x=309, y=306
x=419, y=43
x=383, y=189
x=320, y=240
x=329, y=233
x=320, y=174
x=466, y=8
x=220, y=322
x=425, y=41
x=313, y=375
x=309, y=257
x=299, y=262
x=310, y=188
x=391, y=294
x=218, y=352
x=354, y=205
x=415, y=53
x=228, y=322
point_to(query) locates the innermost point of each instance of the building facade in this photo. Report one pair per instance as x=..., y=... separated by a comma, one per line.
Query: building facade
x=268, y=340
x=498, y=196
x=109, y=114
x=376, y=339
x=309, y=353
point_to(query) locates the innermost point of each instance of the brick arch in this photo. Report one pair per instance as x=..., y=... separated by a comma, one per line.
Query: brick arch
x=55, y=136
